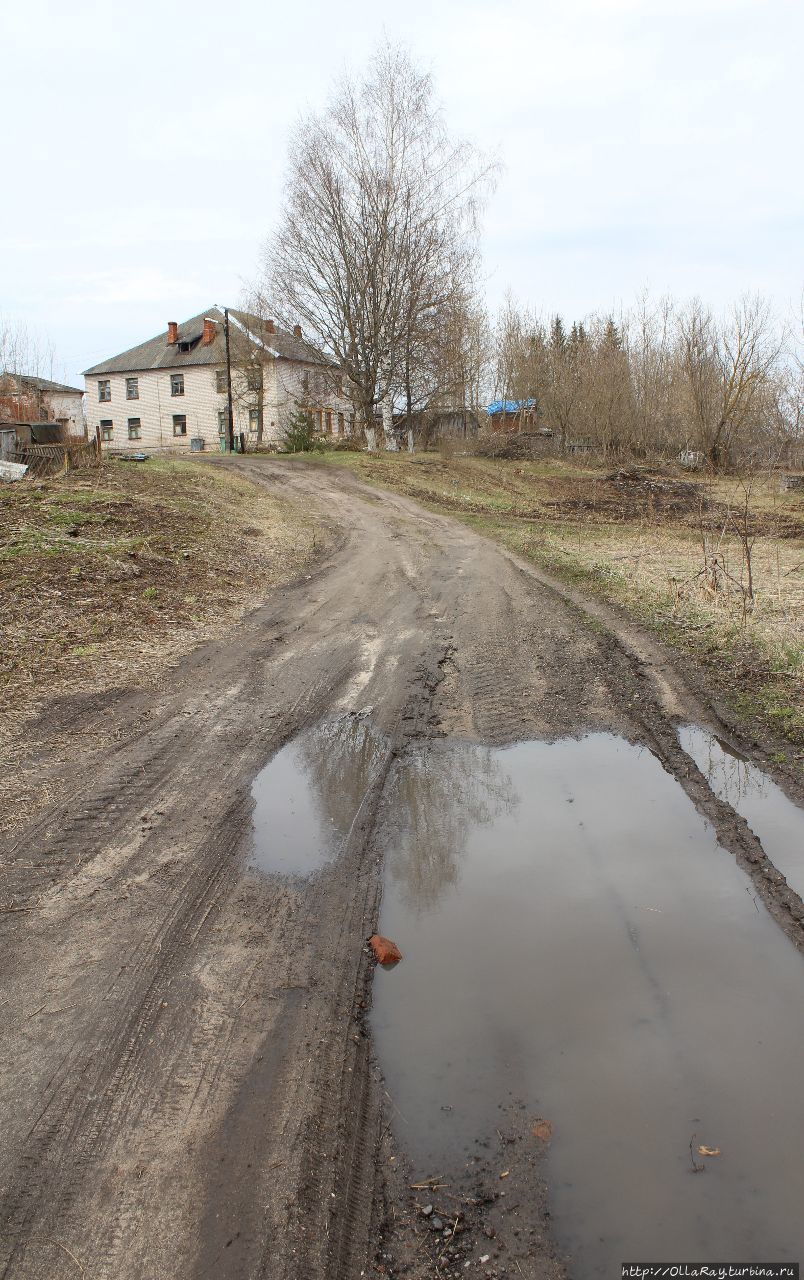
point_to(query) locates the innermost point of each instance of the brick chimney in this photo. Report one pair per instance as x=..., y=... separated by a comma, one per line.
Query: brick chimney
x=210, y=329
x=270, y=327
x=297, y=330
x=173, y=332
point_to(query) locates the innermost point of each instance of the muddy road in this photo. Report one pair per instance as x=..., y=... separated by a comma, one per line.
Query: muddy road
x=202, y=1076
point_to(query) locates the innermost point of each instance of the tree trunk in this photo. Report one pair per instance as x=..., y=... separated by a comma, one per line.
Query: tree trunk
x=388, y=425
x=367, y=410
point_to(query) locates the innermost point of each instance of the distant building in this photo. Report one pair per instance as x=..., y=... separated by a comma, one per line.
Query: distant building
x=512, y=415
x=25, y=398
x=173, y=388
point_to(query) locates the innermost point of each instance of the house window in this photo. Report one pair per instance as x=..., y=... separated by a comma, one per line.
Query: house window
x=339, y=384
x=220, y=381
x=253, y=421
x=177, y=384
x=179, y=424
x=318, y=418
x=132, y=388
x=254, y=379
x=106, y=429
x=134, y=425
x=104, y=390
x=305, y=382
x=340, y=424
x=329, y=422
x=223, y=418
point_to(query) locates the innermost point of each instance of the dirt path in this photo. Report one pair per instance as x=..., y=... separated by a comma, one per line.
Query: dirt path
x=187, y=1088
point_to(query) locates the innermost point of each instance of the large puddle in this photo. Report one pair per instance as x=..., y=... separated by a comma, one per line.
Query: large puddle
x=575, y=939
x=775, y=820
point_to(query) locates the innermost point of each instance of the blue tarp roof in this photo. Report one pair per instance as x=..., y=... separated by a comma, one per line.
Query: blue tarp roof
x=510, y=406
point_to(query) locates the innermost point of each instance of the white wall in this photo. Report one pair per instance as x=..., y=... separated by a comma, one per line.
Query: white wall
x=283, y=391
x=156, y=407
x=66, y=406
x=313, y=387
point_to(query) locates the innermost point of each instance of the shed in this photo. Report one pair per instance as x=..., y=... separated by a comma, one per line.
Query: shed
x=38, y=433
x=8, y=441
x=512, y=415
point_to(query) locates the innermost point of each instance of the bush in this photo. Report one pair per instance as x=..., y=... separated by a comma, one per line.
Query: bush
x=503, y=446
x=299, y=435
x=345, y=444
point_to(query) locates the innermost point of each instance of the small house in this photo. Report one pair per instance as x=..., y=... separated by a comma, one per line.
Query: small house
x=26, y=398
x=510, y=416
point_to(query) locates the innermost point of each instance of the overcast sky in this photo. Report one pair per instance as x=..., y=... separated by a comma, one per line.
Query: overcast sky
x=645, y=143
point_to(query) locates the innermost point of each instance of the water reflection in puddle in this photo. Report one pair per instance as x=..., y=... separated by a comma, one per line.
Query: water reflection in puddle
x=307, y=797
x=775, y=820
x=575, y=938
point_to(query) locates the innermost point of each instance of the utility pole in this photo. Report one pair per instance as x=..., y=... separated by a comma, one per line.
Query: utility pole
x=230, y=426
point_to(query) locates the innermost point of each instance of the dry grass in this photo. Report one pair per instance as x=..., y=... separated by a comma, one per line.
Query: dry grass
x=637, y=539
x=108, y=575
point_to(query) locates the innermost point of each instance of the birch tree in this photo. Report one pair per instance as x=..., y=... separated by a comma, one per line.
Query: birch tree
x=378, y=227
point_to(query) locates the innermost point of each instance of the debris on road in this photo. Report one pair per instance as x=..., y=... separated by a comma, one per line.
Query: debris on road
x=11, y=471
x=387, y=953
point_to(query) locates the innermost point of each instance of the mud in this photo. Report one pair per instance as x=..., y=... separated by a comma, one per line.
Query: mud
x=773, y=817
x=187, y=1083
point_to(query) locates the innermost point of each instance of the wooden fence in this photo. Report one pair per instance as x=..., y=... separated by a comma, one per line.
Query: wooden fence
x=48, y=459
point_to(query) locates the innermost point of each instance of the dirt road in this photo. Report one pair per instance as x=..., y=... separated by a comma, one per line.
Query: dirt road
x=187, y=1087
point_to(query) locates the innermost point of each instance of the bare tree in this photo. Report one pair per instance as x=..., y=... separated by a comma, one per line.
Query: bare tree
x=378, y=225
x=23, y=354
x=657, y=380
x=726, y=366
x=447, y=370
x=649, y=338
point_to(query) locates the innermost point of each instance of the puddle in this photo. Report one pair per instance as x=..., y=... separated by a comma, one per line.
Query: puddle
x=775, y=820
x=574, y=939
x=307, y=797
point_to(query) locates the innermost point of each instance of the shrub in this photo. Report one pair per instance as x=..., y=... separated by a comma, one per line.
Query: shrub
x=503, y=446
x=299, y=435
x=345, y=444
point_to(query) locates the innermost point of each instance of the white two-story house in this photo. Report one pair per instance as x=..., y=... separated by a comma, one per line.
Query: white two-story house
x=172, y=389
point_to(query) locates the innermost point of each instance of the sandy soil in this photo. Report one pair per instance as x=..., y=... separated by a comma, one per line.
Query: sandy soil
x=188, y=1087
